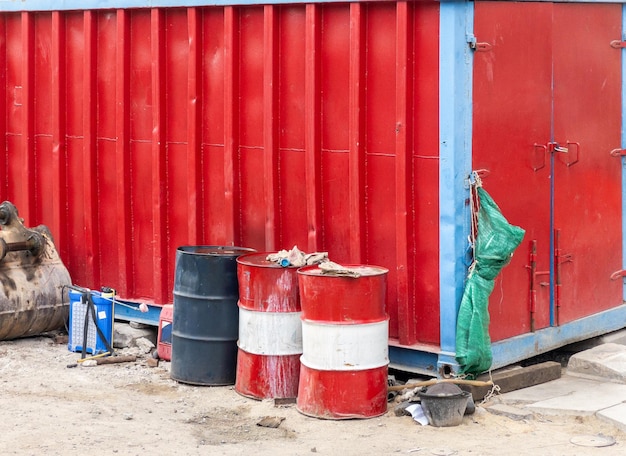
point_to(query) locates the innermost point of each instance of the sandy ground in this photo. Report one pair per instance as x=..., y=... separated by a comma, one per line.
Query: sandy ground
x=133, y=409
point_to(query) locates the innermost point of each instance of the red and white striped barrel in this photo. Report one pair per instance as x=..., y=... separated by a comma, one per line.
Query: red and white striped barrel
x=345, y=354
x=270, y=329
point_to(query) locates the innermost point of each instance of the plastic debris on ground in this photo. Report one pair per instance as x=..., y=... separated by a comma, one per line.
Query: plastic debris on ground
x=417, y=413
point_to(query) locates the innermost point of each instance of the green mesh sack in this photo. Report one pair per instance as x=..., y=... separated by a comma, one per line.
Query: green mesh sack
x=495, y=242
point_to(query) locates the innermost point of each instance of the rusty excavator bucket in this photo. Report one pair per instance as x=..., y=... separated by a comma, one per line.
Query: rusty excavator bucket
x=33, y=279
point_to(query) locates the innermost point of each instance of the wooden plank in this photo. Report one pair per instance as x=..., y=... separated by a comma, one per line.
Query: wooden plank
x=518, y=378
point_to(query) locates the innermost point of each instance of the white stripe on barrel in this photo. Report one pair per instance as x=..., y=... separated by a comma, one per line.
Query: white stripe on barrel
x=270, y=333
x=345, y=347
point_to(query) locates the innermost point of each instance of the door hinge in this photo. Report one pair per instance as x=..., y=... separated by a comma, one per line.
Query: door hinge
x=617, y=44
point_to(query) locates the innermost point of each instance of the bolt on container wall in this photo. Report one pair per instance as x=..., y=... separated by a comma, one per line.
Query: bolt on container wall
x=270, y=330
x=344, y=343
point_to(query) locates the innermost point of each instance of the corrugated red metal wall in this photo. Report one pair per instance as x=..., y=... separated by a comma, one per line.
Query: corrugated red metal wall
x=131, y=132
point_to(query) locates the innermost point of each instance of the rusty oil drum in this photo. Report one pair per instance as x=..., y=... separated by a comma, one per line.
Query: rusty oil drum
x=205, y=318
x=344, y=364
x=270, y=330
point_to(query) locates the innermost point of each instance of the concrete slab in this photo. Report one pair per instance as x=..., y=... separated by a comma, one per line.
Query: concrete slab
x=564, y=386
x=615, y=415
x=606, y=361
x=616, y=337
x=515, y=413
x=583, y=401
x=593, y=384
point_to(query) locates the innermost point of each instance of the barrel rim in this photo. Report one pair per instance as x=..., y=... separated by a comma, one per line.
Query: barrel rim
x=366, y=270
x=214, y=250
x=246, y=260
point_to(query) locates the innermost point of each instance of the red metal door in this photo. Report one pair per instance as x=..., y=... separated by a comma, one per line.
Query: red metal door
x=512, y=109
x=587, y=194
x=535, y=92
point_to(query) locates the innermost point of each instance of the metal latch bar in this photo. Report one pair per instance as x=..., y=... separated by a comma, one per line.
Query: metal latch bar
x=618, y=274
x=480, y=47
x=617, y=44
x=554, y=147
x=532, y=298
x=618, y=152
x=559, y=259
x=571, y=148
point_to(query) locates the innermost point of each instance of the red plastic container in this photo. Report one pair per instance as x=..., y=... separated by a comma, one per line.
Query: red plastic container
x=345, y=329
x=270, y=329
x=164, y=335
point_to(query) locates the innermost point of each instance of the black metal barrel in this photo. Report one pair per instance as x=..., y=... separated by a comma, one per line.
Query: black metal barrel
x=205, y=321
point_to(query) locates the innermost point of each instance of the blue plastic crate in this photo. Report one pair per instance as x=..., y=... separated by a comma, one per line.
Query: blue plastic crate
x=104, y=316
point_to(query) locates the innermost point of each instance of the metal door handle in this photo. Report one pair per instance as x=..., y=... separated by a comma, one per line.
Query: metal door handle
x=543, y=149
